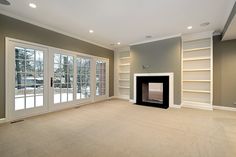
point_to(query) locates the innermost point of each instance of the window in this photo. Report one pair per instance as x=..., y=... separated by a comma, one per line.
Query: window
x=100, y=78
x=29, y=81
x=83, y=78
x=63, y=78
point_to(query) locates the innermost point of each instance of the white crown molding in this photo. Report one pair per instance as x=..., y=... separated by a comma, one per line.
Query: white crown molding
x=28, y=20
x=155, y=39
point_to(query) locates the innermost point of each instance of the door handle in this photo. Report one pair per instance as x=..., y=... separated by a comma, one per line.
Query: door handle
x=51, y=81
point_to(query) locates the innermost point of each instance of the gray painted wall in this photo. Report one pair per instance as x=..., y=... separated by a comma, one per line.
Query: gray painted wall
x=13, y=28
x=224, y=71
x=162, y=56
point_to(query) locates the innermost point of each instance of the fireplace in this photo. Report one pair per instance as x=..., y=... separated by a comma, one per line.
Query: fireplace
x=153, y=89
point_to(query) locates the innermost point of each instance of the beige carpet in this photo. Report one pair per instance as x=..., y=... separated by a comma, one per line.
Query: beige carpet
x=117, y=128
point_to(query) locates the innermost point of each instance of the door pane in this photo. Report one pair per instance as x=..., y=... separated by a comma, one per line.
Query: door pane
x=100, y=78
x=83, y=78
x=19, y=103
x=39, y=100
x=63, y=78
x=30, y=102
x=28, y=78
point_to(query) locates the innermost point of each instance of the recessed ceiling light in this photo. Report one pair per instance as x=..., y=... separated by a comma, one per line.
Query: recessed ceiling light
x=190, y=27
x=204, y=24
x=5, y=2
x=91, y=31
x=32, y=5
x=118, y=43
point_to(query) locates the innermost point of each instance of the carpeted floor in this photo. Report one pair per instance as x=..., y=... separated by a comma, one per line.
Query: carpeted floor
x=118, y=128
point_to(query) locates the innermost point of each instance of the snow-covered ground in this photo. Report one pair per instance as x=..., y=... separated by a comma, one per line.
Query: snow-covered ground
x=20, y=100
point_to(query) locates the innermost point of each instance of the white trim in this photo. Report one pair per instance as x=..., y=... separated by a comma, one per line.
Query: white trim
x=27, y=20
x=132, y=101
x=197, y=106
x=171, y=84
x=155, y=39
x=2, y=120
x=224, y=108
x=175, y=106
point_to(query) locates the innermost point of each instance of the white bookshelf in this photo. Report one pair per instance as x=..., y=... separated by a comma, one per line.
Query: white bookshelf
x=197, y=70
x=123, y=60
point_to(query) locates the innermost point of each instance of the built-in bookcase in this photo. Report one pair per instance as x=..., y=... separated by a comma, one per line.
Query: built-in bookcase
x=123, y=69
x=197, y=70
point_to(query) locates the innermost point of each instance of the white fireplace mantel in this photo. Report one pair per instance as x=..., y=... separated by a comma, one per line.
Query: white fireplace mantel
x=171, y=85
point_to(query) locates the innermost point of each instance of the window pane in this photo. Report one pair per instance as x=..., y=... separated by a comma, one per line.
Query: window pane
x=57, y=69
x=20, y=65
x=64, y=94
x=39, y=100
x=30, y=102
x=29, y=66
x=29, y=90
x=19, y=79
x=64, y=59
x=78, y=93
x=39, y=90
x=39, y=79
x=19, y=103
x=57, y=58
x=19, y=53
x=19, y=91
x=70, y=92
x=57, y=93
x=29, y=54
x=39, y=56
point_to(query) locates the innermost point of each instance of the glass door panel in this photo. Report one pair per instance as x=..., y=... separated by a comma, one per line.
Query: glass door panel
x=63, y=78
x=100, y=78
x=83, y=78
x=29, y=78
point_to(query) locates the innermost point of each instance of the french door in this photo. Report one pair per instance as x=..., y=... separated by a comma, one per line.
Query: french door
x=26, y=77
x=42, y=79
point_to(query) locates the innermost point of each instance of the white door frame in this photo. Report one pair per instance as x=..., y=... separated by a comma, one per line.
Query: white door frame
x=11, y=114
x=48, y=60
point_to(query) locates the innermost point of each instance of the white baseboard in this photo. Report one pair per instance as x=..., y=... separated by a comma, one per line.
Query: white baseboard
x=224, y=108
x=112, y=97
x=175, y=106
x=202, y=107
x=132, y=101
x=2, y=120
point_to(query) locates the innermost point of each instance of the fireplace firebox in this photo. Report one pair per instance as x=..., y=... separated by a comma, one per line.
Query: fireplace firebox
x=152, y=91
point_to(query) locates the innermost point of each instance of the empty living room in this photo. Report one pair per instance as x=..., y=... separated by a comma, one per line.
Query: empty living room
x=117, y=78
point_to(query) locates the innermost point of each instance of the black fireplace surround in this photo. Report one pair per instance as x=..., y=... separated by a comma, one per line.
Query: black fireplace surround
x=142, y=81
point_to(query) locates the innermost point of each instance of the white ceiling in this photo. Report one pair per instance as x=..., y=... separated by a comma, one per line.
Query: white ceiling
x=125, y=21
